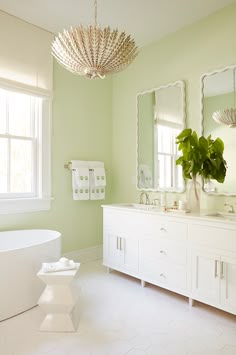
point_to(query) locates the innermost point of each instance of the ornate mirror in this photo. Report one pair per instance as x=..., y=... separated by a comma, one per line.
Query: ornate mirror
x=160, y=118
x=218, y=94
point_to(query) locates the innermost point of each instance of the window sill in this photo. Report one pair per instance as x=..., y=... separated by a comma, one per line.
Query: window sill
x=24, y=205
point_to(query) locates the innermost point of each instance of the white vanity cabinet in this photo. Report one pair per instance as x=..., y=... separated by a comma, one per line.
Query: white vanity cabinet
x=163, y=253
x=120, y=245
x=147, y=247
x=213, y=257
x=191, y=255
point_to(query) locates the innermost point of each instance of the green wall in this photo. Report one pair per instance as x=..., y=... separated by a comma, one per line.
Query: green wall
x=81, y=129
x=145, y=113
x=97, y=120
x=184, y=55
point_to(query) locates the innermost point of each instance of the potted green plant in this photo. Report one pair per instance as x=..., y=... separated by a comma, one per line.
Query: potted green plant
x=202, y=157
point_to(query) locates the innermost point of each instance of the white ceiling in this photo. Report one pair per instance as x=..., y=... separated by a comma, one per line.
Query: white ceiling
x=145, y=20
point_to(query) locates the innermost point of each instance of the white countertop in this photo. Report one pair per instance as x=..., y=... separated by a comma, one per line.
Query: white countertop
x=220, y=216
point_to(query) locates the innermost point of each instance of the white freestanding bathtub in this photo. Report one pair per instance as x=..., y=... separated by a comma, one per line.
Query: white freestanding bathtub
x=21, y=255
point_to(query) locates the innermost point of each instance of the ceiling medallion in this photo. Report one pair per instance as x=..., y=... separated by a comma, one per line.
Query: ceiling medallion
x=93, y=51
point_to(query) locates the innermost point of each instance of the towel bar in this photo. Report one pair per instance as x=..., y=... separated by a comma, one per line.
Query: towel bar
x=68, y=166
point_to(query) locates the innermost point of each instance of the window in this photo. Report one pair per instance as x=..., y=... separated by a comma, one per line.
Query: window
x=168, y=174
x=24, y=151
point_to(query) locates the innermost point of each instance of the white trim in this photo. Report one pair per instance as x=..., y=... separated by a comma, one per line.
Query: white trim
x=24, y=88
x=85, y=255
x=24, y=205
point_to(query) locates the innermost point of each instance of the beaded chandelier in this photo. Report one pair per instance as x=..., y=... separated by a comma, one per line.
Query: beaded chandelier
x=93, y=51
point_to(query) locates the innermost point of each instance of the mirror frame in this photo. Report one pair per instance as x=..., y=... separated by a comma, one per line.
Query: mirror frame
x=181, y=83
x=217, y=71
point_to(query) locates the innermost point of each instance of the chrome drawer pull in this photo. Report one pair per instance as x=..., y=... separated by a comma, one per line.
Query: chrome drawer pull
x=162, y=252
x=163, y=229
x=221, y=270
x=162, y=275
x=121, y=243
x=216, y=269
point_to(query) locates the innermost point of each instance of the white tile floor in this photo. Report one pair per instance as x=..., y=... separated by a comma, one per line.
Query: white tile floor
x=120, y=317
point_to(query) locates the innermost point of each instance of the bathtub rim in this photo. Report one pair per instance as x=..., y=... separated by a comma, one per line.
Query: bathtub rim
x=56, y=233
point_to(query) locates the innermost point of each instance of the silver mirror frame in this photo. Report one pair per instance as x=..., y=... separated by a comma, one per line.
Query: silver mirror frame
x=202, y=118
x=181, y=83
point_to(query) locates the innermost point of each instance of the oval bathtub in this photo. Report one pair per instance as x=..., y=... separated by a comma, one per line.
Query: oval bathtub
x=21, y=255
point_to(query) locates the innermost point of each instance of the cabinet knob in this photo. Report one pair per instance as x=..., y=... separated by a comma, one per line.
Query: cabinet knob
x=163, y=229
x=162, y=251
x=162, y=275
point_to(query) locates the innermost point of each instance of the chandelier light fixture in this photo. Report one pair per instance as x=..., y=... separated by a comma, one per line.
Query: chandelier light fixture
x=93, y=51
x=227, y=116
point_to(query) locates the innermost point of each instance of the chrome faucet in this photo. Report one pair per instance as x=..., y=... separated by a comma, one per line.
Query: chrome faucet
x=230, y=208
x=147, y=198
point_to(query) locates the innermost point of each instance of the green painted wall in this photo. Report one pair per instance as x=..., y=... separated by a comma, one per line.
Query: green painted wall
x=81, y=129
x=184, y=55
x=146, y=104
x=97, y=120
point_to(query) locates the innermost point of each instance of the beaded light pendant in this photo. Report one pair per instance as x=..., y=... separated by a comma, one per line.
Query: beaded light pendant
x=94, y=51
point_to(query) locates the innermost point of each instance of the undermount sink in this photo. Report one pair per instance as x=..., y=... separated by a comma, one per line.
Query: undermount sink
x=142, y=206
x=223, y=215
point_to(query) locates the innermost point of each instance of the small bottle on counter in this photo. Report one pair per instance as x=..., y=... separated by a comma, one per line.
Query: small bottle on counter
x=163, y=201
x=175, y=205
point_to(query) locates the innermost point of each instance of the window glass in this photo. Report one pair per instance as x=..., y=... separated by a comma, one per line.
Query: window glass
x=21, y=168
x=3, y=165
x=2, y=111
x=25, y=151
x=169, y=175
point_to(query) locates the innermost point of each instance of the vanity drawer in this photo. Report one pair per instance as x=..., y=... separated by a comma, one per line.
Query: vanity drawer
x=163, y=228
x=155, y=250
x=166, y=275
x=213, y=237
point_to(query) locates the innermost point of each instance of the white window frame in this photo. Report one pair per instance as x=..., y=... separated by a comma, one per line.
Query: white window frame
x=42, y=200
x=173, y=157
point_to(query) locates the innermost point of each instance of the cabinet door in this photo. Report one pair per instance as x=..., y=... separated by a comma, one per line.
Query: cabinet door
x=130, y=249
x=115, y=255
x=121, y=252
x=228, y=283
x=206, y=277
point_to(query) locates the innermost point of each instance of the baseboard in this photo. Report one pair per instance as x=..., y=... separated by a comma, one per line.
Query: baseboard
x=85, y=255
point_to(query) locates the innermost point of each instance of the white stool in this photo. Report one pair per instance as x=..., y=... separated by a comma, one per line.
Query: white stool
x=59, y=300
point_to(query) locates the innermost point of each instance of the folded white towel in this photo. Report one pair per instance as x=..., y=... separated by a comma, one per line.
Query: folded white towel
x=62, y=265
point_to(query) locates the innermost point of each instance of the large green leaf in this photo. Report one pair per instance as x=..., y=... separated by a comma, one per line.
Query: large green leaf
x=185, y=133
x=201, y=156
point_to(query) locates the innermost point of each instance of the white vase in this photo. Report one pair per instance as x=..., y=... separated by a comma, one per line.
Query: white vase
x=193, y=195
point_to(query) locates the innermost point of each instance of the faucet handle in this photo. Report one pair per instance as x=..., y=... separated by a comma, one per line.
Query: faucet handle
x=156, y=201
x=231, y=207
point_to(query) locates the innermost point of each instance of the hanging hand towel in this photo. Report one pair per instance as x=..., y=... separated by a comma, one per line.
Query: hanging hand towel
x=82, y=177
x=97, y=193
x=79, y=193
x=99, y=177
x=145, y=176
